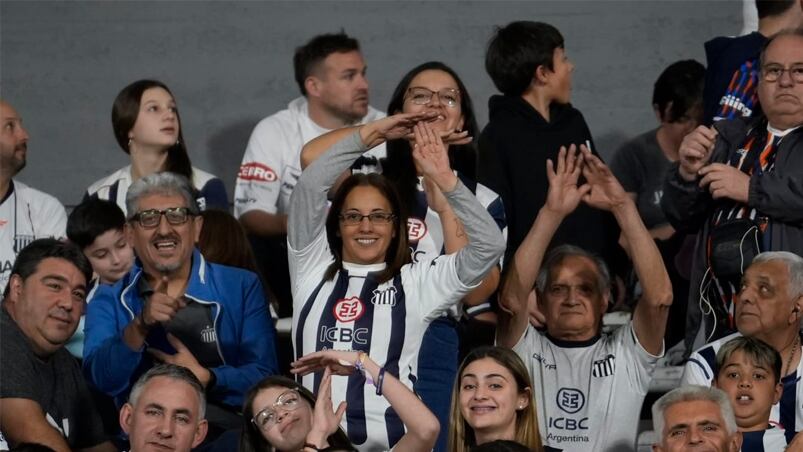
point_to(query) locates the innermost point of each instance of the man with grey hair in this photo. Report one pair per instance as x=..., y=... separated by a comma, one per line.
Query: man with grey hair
x=692, y=418
x=768, y=307
x=175, y=307
x=589, y=385
x=165, y=410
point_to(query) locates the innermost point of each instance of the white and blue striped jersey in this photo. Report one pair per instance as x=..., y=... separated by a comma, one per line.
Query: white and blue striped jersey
x=772, y=439
x=701, y=369
x=354, y=312
x=588, y=394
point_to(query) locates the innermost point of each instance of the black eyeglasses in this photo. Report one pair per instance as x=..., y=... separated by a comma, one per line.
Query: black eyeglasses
x=354, y=218
x=150, y=218
x=423, y=96
x=772, y=72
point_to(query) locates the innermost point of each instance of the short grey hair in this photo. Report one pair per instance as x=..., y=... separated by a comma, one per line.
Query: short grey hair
x=692, y=393
x=560, y=253
x=174, y=372
x=794, y=264
x=164, y=183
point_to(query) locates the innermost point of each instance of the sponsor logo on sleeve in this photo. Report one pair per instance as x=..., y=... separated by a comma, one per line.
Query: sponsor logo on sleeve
x=416, y=229
x=348, y=309
x=255, y=171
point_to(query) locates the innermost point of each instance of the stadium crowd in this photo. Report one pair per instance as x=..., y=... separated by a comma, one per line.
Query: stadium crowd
x=447, y=287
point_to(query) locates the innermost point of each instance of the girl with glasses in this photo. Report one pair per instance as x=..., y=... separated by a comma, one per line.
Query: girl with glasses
x=279, y=414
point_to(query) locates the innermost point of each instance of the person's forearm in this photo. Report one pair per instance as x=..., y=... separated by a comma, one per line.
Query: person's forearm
x=317, y=146
x=487, y=287
x=264, y=224
x=134, y=334
x=308, y=201
x=485, y=242
x=422, y=425
x=647, y=261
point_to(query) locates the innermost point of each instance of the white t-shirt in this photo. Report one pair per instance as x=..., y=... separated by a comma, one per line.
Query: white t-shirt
x=701, y=367
x=588, y=394
x=387, y=321
x=26, y=214
x=271, y=164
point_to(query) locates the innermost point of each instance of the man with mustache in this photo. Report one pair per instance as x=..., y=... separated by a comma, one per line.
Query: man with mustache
x=330, y=72
x=175, y=307
x=43, y=396
x=25, y=213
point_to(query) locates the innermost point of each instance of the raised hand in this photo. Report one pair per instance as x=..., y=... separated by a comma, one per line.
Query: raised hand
x=725, y=181
x=564, y=195
x=695, y=151
x=393, y=127
x=430, y=157
x=160, y=307
x=325, y=420
x=606, y=192
x=339, y=361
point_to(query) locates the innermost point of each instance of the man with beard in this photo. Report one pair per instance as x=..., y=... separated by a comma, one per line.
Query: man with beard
x=330, y=73
x=177, y=308
x=25, y=213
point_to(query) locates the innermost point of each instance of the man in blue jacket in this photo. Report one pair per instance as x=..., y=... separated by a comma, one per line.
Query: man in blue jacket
x=175, y=307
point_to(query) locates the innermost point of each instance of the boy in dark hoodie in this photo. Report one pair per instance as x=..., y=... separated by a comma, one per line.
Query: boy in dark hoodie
x=528, y=124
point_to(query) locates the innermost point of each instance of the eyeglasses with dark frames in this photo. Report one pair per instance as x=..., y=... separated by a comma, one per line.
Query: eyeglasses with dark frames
x=355, y=218
x=152, y=217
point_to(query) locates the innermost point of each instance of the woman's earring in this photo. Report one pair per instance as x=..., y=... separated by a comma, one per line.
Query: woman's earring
x=129, y=142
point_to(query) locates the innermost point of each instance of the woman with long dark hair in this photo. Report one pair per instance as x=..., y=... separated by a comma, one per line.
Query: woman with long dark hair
x=147, y=126
x=434, y=86
x=353, y=285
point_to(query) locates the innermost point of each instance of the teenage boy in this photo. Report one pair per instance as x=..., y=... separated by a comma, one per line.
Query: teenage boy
x=528, y=123
x=750, y=374
x=98, y=228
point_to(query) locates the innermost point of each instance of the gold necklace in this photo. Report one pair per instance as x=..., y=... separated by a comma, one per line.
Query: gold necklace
x=795, y=346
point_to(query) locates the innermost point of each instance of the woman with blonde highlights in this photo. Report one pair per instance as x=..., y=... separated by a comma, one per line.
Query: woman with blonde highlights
x=492, y=400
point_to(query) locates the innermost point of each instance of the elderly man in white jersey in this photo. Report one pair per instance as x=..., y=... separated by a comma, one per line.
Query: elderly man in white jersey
x=25, y=213
x=330, y=72
x=769, y=306
x=588, y=386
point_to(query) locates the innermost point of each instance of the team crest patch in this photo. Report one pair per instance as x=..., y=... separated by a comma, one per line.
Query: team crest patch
x=208, y=335
x=385, y=297
x=604, y=367
x=348, y=309
x=257, y=172
x=416, y=229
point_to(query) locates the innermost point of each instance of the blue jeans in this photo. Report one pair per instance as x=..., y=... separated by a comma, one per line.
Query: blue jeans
x=437, y=369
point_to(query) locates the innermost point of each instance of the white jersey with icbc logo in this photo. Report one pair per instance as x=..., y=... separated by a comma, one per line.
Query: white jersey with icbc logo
x=26, y=214
x=271, y=164
x=354, y=312
x=588, y=394
x=701, y=369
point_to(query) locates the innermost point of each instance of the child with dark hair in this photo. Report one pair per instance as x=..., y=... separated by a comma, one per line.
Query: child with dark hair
x=750, y=374
x=527, y=125
x=97, y=227
x=641, y=165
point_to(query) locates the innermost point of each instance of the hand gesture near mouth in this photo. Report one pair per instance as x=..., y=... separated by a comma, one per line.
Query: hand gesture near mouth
x=431, y=159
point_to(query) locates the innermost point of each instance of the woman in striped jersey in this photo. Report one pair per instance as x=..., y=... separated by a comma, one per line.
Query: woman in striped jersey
x=353, y=288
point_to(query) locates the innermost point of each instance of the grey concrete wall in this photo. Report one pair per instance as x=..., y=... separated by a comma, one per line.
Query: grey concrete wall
x=229, y=65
